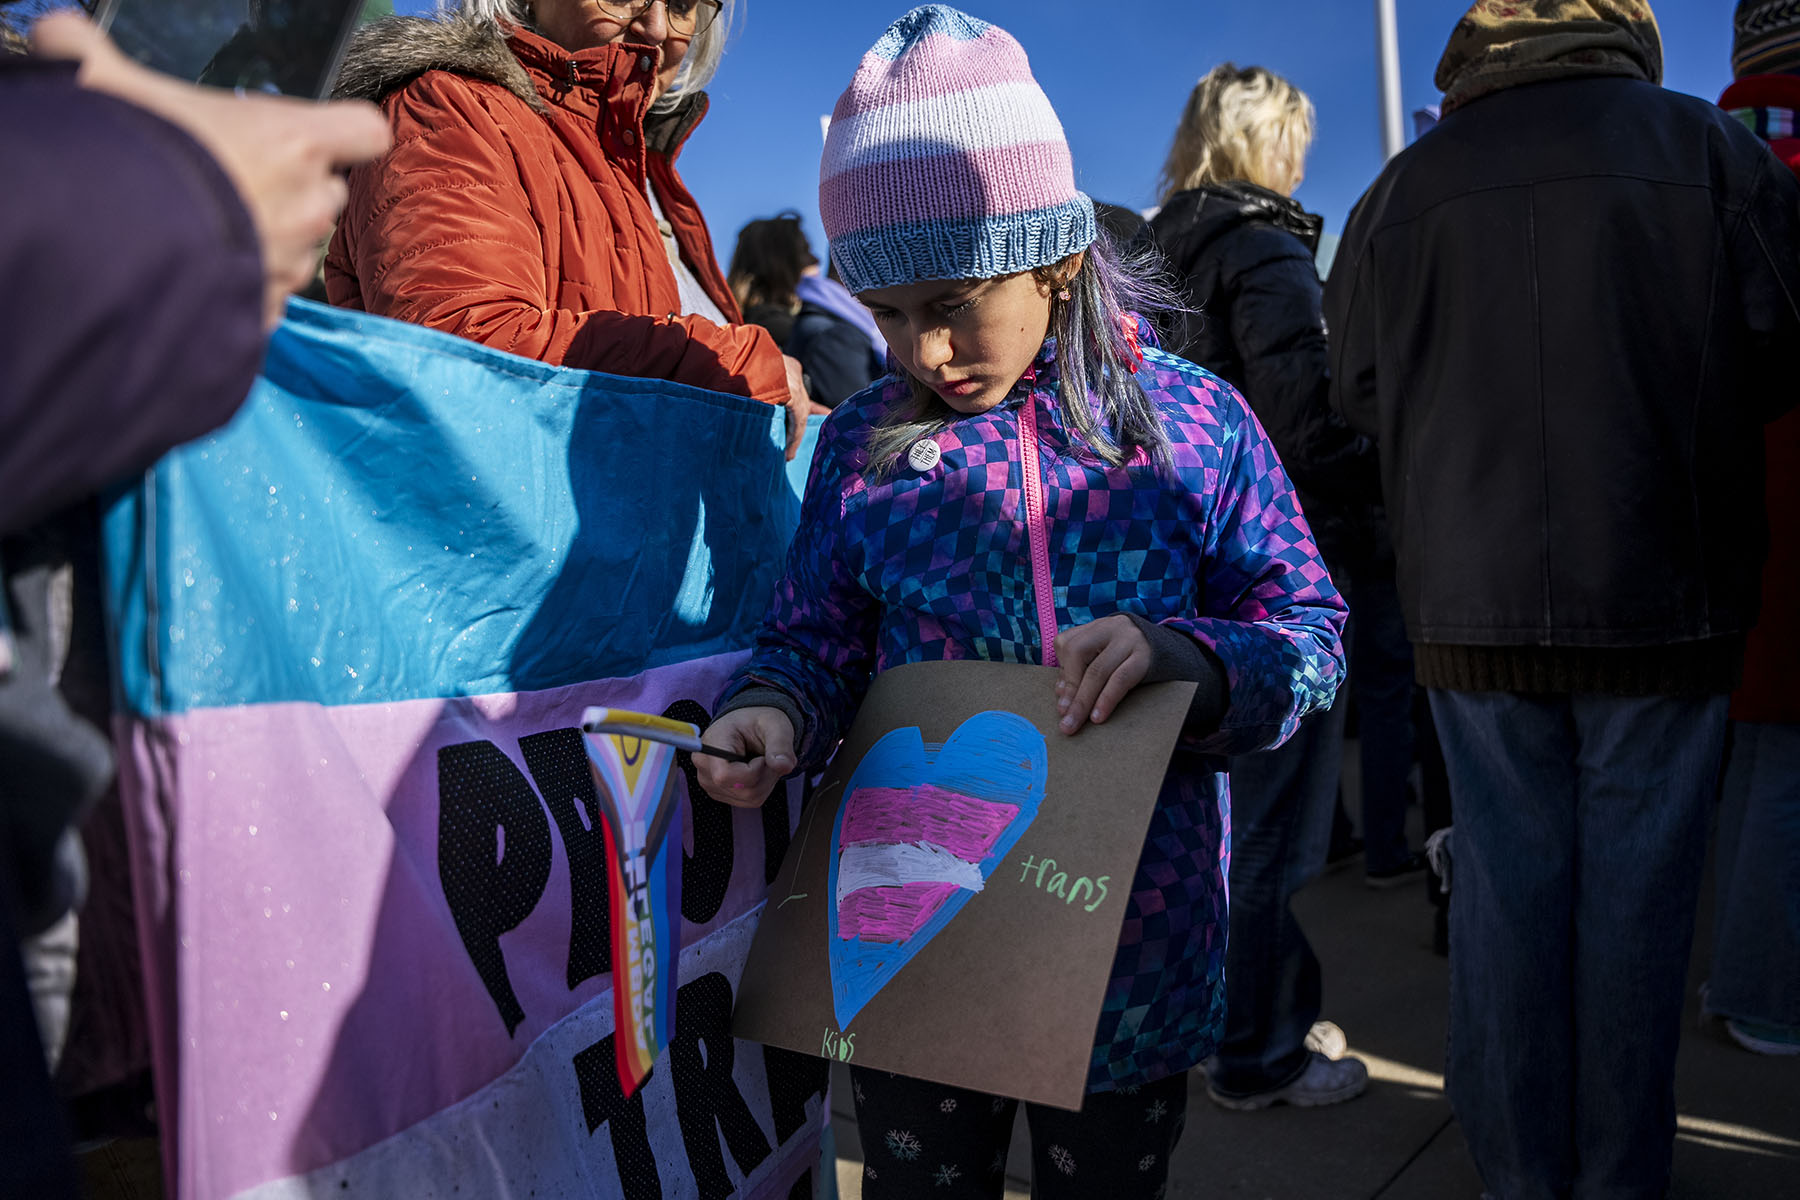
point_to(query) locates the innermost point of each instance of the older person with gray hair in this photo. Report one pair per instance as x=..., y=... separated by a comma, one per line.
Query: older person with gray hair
x=531, y=200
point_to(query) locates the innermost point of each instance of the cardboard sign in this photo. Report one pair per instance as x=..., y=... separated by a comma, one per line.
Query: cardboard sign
x=952, y=901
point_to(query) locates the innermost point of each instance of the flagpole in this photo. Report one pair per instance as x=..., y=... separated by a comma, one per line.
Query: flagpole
x=1393, y=130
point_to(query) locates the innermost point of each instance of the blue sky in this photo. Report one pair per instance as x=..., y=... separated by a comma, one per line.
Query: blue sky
x=1118, y=72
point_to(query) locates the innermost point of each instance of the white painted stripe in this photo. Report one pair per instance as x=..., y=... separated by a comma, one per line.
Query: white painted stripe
x=1004, y=114
x=892, y=864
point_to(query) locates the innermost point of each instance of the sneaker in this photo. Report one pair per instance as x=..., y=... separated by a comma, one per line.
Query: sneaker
x=1327, y=1038
x=1406, y=871
x=1324, y=1081
x=1760, y=1038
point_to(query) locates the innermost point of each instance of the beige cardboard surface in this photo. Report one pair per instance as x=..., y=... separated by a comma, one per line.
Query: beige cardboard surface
x=1005, y=997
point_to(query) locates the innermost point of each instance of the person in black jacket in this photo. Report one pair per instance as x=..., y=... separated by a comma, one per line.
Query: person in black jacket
x=1562, y=313
x=1243, y=250
x=815, y=319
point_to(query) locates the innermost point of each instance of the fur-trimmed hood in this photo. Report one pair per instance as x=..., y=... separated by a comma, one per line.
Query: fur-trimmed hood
x=476, y=222
x=386, y=55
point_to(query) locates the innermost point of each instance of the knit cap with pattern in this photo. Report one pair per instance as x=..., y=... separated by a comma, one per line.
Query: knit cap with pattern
x=1765, y=59
x=944, y=160
x=1765, y=38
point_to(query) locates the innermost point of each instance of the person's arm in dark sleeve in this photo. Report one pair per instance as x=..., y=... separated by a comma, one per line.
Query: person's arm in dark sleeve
x=1765, y=248
x=1174, y=656
x=1278, y=326
x=835, y=355
x=1349, y=318
x=132, y=301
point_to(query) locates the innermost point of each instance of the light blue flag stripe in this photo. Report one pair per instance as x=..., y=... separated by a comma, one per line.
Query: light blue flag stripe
x=401, y=514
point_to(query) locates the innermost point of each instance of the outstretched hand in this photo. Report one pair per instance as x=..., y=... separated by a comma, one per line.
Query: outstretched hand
x=765, y=733
x=800, y=405
x=1100, y=662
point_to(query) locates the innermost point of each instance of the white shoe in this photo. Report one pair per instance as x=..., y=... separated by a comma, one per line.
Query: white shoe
x=1325, y=1037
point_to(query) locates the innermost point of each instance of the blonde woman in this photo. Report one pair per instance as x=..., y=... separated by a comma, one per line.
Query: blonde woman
x=1243, y=250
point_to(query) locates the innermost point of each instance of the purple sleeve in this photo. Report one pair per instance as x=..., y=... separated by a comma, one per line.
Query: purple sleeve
x=131, y=290
x=817, y=642
x=1269, y=610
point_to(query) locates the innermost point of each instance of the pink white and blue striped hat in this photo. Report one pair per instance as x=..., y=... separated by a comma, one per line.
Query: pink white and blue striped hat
x=944, y=160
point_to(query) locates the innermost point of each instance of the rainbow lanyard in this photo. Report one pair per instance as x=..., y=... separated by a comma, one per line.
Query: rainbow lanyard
x=639, y=810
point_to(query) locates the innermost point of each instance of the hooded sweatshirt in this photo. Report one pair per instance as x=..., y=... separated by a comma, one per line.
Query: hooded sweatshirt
x=1504, y=43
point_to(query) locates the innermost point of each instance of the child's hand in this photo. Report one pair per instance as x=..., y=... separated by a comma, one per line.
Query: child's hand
x=766, y=732
x=1101, y=661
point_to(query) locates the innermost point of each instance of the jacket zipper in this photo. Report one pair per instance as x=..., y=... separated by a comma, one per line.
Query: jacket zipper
x=1037, y=534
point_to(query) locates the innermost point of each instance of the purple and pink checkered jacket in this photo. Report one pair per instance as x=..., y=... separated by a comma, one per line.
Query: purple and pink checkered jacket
x=914, y=566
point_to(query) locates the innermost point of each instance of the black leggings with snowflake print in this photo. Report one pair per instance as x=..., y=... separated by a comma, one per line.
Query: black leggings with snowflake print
x=924, y=1139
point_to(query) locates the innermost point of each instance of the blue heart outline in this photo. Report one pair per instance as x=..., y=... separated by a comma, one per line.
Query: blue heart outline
x=994, y=755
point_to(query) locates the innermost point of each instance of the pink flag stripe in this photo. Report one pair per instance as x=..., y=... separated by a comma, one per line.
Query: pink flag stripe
x=951, y=187
x=297, y=935
x=993, y=57
x=963, y=825
x=890, y=914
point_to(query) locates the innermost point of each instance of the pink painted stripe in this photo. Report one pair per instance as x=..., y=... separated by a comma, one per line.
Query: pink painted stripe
x=996, y=182
x=1036, y=529
x=890, y=914
x=936, y=65
x=963, y=825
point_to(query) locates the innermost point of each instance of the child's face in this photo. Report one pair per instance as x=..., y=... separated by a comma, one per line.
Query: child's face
x=968, y=340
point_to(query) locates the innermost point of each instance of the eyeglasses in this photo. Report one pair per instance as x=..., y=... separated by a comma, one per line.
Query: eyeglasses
x=689, y=18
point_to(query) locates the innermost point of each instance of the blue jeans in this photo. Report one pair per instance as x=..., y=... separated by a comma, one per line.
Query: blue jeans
x=1281, y=803
x=1580, y=837
x=1756, y=932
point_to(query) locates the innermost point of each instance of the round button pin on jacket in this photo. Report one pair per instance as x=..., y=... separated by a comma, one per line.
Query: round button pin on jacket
x=924, y=455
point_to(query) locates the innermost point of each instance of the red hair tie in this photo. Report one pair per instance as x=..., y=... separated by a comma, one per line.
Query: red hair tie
x=1129, y=327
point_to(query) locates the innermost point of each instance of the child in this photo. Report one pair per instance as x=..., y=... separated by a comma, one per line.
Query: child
x=1005, y=486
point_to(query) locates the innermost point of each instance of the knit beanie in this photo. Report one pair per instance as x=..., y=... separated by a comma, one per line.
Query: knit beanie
x=944, y=160
x=1765, y=57
x=1766, y=38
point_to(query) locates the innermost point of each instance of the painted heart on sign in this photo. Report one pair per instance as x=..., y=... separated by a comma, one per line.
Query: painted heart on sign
x=921, y=829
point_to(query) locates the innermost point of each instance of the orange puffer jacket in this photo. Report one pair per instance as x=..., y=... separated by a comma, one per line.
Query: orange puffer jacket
x=512, y=208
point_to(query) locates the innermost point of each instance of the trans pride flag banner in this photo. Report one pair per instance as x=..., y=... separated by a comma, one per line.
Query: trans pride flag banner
x=356, y=632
